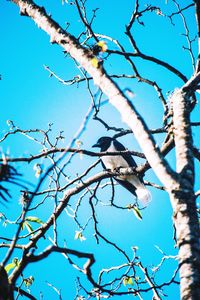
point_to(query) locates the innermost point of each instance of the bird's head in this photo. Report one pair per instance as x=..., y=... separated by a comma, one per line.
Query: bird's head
x=103, y=143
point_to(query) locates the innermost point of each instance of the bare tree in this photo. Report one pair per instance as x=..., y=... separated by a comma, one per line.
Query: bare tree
x=179, y=184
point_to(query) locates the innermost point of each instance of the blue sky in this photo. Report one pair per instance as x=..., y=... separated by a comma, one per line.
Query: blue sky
x=32, y=100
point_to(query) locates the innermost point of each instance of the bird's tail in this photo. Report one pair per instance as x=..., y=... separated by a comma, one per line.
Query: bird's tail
x=143, y=195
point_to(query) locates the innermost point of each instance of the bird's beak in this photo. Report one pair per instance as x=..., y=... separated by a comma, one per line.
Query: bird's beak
x=96, y=145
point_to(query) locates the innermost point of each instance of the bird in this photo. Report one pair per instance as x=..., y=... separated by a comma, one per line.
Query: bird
x=133, y=183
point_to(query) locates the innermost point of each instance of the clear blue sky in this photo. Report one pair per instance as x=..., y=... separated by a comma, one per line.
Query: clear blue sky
x=32, y=100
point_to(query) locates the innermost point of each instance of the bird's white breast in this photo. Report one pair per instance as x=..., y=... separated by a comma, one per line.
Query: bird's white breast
x=113, y=162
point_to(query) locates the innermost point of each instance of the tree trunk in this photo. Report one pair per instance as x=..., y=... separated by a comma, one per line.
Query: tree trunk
x=183, y=199
x=187, y=233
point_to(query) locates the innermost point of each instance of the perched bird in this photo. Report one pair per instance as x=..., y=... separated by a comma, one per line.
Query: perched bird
x=114, y=162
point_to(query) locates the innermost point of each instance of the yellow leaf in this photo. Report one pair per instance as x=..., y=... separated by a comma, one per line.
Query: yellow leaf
x=79, y=236
x=103, y=46
x=128, y=280
x=95, y=62
x=10, y=267
x=15, y=263
x=28, y=281
x=137, y=212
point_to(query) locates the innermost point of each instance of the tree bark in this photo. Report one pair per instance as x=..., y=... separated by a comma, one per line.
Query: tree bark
x=187, y=233
x=6, y=292
x=183, y=200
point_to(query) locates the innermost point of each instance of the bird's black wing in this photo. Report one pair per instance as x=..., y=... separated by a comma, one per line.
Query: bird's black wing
x=128, y=158
x=127, y=185
x=131, y=162
x=103, y=165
